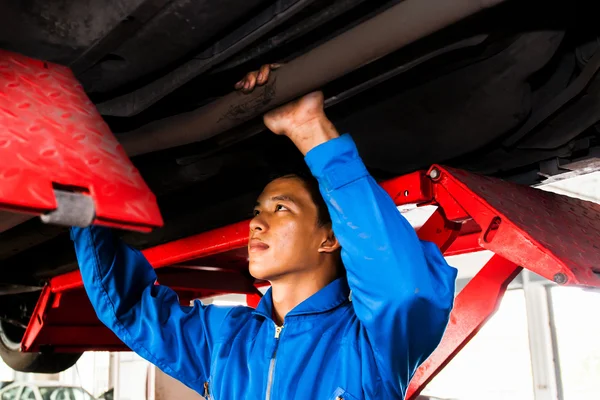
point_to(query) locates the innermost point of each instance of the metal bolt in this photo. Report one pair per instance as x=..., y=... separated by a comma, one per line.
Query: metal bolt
x=434, y=174
x=560, y=278
x=406, y=193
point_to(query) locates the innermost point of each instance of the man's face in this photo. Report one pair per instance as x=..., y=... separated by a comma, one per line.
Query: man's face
x=284, y=235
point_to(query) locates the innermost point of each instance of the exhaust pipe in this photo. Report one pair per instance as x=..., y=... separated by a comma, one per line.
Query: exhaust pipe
x=383, y=34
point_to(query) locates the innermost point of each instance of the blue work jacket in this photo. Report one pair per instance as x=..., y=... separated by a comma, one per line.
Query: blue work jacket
x=332, y=345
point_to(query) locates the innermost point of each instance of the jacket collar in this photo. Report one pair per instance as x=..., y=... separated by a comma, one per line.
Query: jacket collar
x=326, y=299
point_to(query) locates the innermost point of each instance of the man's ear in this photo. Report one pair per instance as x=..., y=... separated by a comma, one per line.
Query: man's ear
x=330, y=244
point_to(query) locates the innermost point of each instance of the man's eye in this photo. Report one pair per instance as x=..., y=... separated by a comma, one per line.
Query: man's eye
x=256, y=212
x=280, y=207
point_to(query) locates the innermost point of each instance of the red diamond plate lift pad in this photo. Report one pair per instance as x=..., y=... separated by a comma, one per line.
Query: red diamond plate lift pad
x=542, y=231
x=51, y=135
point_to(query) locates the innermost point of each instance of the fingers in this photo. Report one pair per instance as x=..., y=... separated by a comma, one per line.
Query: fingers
x=247, y=84
x=240, y=84
x=250, y=81
x=256, y=78
x=263, y=74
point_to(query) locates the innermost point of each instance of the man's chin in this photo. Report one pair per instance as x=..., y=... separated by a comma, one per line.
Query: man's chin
x=261, y=271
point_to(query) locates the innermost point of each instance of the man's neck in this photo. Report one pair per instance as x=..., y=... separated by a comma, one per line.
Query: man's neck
x=289, y=292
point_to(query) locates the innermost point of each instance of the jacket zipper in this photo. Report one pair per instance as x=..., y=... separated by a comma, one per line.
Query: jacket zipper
x=278, y=330
x=206, y=391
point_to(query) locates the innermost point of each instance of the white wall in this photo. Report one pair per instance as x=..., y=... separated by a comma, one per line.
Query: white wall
x=168, y=388
x=6, y=374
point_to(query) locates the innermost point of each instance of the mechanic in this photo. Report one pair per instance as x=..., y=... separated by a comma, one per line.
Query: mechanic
x=315, y=243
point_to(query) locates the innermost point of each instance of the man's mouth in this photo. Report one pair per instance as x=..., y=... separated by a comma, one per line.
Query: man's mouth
x=257, y=245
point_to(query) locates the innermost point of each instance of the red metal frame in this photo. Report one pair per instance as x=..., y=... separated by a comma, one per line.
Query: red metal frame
x=473, y=307
x=551, y=235
x=53, y=138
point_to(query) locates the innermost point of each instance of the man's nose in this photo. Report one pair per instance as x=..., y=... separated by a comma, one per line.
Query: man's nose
x=258, y=223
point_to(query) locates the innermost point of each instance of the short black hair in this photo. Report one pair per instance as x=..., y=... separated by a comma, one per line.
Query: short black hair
x=312, y=185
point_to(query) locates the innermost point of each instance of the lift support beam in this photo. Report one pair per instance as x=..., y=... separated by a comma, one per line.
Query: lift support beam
x=554, y=236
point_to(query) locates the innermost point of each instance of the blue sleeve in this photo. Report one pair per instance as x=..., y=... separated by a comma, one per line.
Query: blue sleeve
x=147, y=317
x=402, y=288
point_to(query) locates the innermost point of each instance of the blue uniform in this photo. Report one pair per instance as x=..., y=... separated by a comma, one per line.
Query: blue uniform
x=363, y=346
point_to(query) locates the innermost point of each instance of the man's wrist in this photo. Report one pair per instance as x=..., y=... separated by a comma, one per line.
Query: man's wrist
x=313, y=133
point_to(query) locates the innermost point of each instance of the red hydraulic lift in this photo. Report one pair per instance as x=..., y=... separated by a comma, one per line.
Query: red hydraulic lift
x=76, y=157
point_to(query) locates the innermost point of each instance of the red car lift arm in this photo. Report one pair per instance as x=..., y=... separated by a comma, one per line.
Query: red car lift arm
x=58, y=158
x=554, y=236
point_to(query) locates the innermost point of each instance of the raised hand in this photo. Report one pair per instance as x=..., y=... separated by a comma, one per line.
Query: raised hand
x=302, y=120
